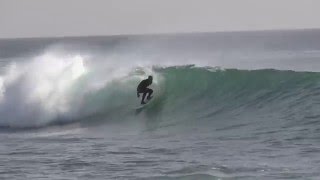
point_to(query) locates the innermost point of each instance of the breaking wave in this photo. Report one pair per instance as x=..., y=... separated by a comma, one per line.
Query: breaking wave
x=51, y=89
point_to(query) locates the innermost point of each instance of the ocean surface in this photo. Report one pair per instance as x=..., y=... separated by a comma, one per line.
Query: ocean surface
x=237, y=105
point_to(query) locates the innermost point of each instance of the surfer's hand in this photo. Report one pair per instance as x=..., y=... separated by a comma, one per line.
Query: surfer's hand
x=138, y=94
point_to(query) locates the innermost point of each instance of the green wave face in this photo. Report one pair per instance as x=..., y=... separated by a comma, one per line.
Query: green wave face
x=231, y=86
x=192, y=94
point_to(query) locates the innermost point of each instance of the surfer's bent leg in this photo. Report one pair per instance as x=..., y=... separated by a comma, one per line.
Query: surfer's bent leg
x=143, y=97
x=149, y=91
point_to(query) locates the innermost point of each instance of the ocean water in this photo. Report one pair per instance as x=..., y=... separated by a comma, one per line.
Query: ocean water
x=238, y=105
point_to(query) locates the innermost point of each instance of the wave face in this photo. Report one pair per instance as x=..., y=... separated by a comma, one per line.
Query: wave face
x=52, y=90
x=196, y=77
x=248, y=96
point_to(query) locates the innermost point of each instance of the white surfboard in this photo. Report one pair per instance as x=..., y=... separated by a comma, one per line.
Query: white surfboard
x=141, y=106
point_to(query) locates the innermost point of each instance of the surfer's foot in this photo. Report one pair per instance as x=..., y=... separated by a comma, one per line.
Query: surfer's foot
x=149, y=97
x=143, y=103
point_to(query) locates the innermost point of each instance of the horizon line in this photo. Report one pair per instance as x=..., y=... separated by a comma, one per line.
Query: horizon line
x=164, y=34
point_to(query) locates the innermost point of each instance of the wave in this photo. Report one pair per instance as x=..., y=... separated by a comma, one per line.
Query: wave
x=52, y=90
x=247, y=96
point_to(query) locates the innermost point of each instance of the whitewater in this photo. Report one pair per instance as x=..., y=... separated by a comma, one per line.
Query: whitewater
x=229, y=105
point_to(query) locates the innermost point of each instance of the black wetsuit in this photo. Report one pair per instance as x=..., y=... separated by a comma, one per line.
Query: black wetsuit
x=142, y=88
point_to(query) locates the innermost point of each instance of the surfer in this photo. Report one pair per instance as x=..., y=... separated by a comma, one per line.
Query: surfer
x=143, y=88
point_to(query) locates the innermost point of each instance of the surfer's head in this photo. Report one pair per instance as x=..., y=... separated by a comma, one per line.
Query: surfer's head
x=150, y=78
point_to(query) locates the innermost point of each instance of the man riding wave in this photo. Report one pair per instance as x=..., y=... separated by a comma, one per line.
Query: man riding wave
x=143, y=88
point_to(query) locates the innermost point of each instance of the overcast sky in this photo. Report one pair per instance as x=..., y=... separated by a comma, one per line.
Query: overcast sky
x=47, y=18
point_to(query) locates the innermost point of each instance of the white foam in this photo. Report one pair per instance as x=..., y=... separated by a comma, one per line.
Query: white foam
x=37, y=91
x=62, y=87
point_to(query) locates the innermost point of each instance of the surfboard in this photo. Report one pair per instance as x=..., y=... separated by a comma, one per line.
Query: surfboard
x=141, y=106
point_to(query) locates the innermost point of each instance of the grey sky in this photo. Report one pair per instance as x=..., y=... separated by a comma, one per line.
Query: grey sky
x=39, y=18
